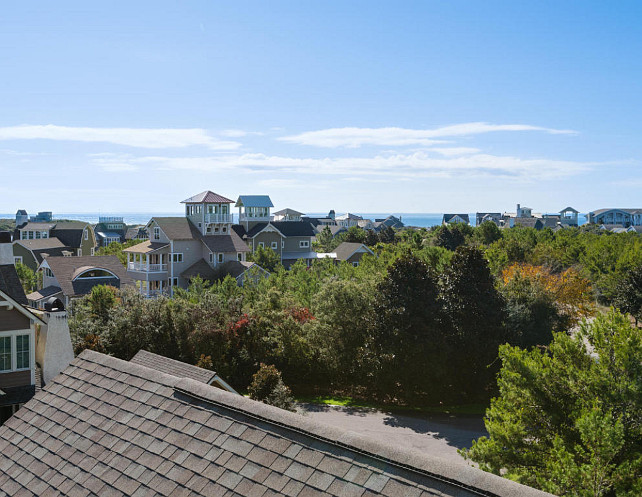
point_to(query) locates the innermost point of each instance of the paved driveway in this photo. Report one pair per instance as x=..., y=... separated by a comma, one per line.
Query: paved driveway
x=435, y=434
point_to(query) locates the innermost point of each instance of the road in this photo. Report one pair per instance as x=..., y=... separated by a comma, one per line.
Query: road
x=435, y=434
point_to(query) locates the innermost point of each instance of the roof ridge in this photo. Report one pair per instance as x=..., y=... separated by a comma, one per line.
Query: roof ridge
x=409, y=459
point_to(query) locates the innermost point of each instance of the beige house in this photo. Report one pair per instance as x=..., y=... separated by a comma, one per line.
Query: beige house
x=180, y=248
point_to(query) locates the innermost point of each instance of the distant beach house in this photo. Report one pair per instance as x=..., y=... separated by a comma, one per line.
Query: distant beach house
x=620, y=217
x=493, y=217
x=455, y=219
x=110, y=229
x=348, y=220
x=288, y=215
x=35, y=241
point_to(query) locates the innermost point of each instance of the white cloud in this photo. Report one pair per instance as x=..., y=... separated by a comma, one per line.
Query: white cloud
x=238, y=133
x=391, y=166
x=357, y=137
x=132, y=137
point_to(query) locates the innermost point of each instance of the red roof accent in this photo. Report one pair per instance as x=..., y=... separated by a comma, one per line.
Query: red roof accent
x=209, y=197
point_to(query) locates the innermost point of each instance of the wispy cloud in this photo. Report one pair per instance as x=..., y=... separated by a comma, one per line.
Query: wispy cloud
x=357, y=137
x=132, y=137
x=238, y=133
x=392, y=166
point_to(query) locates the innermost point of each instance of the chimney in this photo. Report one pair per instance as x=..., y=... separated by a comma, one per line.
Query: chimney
x=6, y=248
x=53, y=343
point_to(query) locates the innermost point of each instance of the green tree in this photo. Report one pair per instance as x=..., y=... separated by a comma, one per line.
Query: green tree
x=267, y=386
x=567, y=419
x=116, y=248
x=354, y=235
x=487, y=233
x=28, y=278
x=267, y=258
x=324, y=240
x=475, y=311
x=628, y=294
x=408, y=348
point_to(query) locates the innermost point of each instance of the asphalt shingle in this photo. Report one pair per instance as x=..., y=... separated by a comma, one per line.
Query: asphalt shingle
x=75, y=439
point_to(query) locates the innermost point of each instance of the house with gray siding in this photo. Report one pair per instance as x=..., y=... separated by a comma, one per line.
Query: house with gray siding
x=620, y=217
x=291, y=240
x=180, y=248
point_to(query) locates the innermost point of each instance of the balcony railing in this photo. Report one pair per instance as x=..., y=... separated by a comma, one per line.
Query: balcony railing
x=255, y=217
x=218, y=218
x=148, y=268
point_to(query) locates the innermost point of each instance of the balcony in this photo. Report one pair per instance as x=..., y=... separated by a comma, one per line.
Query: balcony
x=218, y=218
x=148, y=268
x=254, y=217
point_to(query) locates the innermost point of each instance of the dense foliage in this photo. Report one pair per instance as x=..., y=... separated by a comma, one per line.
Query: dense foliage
x=419, y=323
x=569, y=418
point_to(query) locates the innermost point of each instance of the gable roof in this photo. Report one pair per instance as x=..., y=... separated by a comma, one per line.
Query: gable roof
x=145, y=247
x=254, y=201
x=35, y=226
x=207, y=197
x=65, y=269
x=345, y=250
x=230, y=242
x=173, y=367
x=448, y=217
x=107, y=426
x=287, y=212
x=10, y=284
x=70, y=232
x=41, y=244
x=177, y=228
x=569, y=209
x=286, y=228
x=44, y=293
x=200, y=268
x=529, y=222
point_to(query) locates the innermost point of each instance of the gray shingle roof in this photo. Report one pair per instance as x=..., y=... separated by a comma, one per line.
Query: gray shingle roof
x=10, y=283
x=231, y=242
x=173, y=367
x=177, y=228
x=448, y=217
x=109, y=427
x=287, y=228
x=42, y=244
x=65, y=269
x=44, y=293
x=346, y=249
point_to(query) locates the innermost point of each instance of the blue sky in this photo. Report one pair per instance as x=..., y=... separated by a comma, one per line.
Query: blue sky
x=362, y=106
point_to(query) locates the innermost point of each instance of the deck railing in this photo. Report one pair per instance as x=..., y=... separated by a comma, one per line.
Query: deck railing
x=149, y=268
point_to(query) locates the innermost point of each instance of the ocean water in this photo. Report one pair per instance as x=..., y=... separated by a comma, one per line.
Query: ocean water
x=420, y=220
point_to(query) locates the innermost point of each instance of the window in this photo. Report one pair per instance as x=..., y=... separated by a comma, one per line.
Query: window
x=92, y=250
x=355, y=263
x=239, y=256
x=220, y=257
x=22, y=352
x=156, y=233
x=17, y=260
x=48, y=272
x=261, y=244
x=38, y=235
x=274, y=245
x=224, y=229
x=45, y=234
x=211, y=257
x=187, y=210
x=304, y=244
x=177, y=257
x=174, y=282
x=224, y=209
x=199, y=225
x=79, y=252
x=5, y=353
x=282, y=244
x=86, y=233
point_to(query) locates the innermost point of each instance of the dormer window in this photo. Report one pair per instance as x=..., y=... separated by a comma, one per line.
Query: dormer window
x=224, y=229
x=156, y=233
